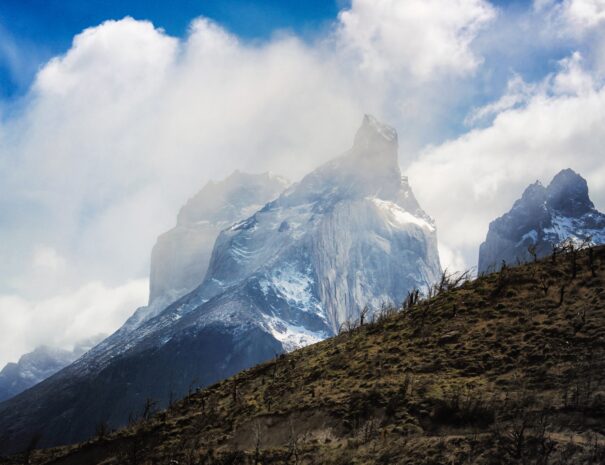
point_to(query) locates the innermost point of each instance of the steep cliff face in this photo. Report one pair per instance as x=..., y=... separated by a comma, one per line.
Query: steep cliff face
x=348, y=235
x=180, y=257
x=542, y=218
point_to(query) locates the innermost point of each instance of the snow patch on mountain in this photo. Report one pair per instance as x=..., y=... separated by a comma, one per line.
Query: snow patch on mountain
x=397, y=216
x=292, y=336
x=576, y=229
x=294, y=286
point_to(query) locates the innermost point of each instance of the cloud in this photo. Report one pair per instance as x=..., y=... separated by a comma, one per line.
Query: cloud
x=64, y=319
x=451, y=260
x=585, y=13
x=425, y=38
x=47, y=259
x=476, y=177
x=518, y=92
x=579, y=16
x=104, y=62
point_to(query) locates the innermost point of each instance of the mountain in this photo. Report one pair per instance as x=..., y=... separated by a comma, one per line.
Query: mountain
x=495, y=371
x=180, y=257
x=38, y=365
x=542, y=218
x=348, y=235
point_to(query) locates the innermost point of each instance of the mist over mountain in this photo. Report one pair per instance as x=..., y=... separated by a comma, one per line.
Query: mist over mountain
x=36, y=366
x=180, y=257
x=542, y=218
x=348, y=235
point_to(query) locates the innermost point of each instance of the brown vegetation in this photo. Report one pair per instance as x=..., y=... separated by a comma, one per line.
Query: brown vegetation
x=506, y=369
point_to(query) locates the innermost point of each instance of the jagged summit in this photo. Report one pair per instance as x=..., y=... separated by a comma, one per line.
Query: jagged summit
x=533, y=191
x=373, y=131
x=373, y=157
x=180, y=257
x=542, y=218
x=369, y=168
x=568, y=193
x=238, y=195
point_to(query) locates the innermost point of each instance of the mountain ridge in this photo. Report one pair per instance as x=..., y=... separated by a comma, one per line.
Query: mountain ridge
x=37, y=365
x=541, y=219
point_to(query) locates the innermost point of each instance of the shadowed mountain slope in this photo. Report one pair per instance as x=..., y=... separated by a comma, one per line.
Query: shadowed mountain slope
x=543, y=218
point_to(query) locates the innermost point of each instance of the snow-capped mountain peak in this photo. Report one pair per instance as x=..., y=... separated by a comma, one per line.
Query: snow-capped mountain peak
x=568, y=194
x=35, y=366
x=359, y=200
x=348, y=235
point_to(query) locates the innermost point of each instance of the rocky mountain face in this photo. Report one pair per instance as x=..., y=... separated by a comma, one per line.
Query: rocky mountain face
x=348, y=235
x=180, y=257
x=542, y=218
x=38, y=365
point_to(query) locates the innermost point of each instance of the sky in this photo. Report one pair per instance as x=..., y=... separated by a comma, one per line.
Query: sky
x=113, y=114
x=33, y=31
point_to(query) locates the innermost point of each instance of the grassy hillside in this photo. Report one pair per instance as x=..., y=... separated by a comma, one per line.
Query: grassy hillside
x=509, y=368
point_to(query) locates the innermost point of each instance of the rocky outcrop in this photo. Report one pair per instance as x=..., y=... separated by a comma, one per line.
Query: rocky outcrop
x=180, y=257
x=542, y=218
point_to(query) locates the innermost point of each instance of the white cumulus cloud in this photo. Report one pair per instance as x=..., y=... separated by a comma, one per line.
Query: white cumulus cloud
x=425, y=38
x=65, y=318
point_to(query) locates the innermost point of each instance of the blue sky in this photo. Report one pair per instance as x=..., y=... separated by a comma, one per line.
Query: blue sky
x=36, y=30
x=33, y=31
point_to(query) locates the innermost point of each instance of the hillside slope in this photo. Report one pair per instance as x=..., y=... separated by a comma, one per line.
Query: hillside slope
x=509, y=368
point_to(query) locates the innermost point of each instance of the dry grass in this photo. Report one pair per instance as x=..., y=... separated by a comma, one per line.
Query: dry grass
x=505, y=369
